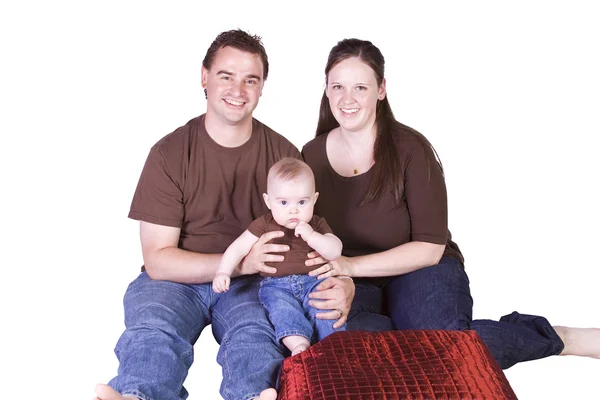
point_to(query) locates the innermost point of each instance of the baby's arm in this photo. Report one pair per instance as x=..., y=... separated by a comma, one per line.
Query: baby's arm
x=327, y=245
x=231, y=259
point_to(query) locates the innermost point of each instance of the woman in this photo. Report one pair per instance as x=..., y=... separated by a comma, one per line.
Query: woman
x=382, y=191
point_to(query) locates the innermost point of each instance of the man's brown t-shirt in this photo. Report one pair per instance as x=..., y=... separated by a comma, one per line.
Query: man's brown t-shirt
x=299, y=249
x=382, y=224
x=209, y=191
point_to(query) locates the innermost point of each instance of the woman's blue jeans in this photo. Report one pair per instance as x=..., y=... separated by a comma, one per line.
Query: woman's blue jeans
x=163, y=320
x=438, y=297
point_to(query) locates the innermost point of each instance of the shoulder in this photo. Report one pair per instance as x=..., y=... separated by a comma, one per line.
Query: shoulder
x=177, y=140
x=314, y=152
x=315, y=144
x=410, y=141
x=274, y=139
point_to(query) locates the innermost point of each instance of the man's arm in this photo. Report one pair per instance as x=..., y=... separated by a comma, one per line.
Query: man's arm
x=163, y=260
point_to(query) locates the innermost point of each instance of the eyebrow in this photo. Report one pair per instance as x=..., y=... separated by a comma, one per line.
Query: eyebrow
x=359, y=83
x=228, y=73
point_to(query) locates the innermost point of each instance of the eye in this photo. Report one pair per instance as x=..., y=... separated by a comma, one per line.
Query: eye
x=225, y=77
x=302, y=202
x=361, y=88
x=251, y=82
x=336, y=87
x=283, y=202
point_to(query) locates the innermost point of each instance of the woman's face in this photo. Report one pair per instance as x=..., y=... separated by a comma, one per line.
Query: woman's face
x=353, y=93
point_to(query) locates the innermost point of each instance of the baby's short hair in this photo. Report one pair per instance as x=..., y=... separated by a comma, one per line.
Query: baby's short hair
x=288, y=169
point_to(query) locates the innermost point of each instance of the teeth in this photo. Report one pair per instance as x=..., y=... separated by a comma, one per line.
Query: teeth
x=233, y=102
x=349, y=110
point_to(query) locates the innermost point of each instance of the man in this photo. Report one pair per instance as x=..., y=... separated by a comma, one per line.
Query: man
x=200, y=188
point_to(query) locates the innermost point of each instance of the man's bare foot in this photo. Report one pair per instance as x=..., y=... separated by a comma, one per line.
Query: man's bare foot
x=584, y=342
x=300, y=348
x=105, y=392
x=268, y=394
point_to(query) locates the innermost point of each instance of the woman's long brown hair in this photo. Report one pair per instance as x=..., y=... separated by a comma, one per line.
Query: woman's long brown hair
x=387, y=175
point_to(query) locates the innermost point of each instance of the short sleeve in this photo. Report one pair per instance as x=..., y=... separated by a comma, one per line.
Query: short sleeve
x=258, y=227
x=425, y=193
x=320, y=225
x=158, y=199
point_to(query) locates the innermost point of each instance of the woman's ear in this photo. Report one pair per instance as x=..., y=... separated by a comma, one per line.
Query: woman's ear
x=382, y=91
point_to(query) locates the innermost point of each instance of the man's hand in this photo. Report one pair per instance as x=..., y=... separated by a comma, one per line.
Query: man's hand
x=221, y=282
x=303, y=230
x=255, y=260
x=333, y=294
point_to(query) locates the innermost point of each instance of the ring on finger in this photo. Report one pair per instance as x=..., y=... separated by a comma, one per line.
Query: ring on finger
x=340, y=311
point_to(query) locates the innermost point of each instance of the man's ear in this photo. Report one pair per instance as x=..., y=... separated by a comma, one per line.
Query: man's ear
x=204, y=77
x=266, y=199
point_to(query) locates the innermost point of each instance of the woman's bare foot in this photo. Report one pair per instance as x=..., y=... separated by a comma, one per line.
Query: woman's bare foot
x=584, y=342
x=268, y=394
x=105, y=392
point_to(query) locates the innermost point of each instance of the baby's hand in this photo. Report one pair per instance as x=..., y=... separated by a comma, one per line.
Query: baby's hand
x=221, y=282
x=303, y=230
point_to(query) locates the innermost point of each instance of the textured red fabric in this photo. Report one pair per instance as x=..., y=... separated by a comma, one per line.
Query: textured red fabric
x=395, y=365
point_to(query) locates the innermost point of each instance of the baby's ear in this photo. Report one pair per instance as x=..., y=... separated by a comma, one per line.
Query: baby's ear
x=266, y=199
x=316, y=196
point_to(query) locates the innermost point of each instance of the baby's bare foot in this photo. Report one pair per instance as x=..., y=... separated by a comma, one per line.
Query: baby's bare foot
x=105, y=392
x=268, y=394
x=300, y=348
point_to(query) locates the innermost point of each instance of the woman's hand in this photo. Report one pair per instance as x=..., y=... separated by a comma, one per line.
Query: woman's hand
x=341, y=266
x=261, y=252
x=336, y=295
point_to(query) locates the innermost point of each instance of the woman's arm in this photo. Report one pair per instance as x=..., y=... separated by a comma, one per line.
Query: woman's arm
x=399, y=260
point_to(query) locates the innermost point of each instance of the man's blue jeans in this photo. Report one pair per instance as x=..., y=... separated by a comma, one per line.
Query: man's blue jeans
x=286, y=300
x=164, y=319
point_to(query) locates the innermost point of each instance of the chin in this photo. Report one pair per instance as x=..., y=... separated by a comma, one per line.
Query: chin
x=291, y=225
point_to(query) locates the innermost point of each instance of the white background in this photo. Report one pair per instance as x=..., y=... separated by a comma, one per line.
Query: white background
x=508, y=93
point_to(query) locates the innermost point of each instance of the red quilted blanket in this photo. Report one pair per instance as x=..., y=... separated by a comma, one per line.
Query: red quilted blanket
x=395, y=365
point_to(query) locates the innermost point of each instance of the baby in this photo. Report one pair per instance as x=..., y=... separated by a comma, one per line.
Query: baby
x=291, y=198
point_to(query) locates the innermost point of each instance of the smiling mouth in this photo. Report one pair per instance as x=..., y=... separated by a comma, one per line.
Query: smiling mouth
x=234, y=102
x=349, y=111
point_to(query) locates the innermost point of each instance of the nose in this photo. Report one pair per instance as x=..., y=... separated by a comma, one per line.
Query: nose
x=237, y=88
x=347, y=98
x=294, y=210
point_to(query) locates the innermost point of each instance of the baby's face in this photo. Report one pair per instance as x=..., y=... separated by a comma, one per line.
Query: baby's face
x=291, y=201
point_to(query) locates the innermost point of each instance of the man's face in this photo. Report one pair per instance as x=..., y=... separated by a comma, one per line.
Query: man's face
x=291, y=201
x=234, y=84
